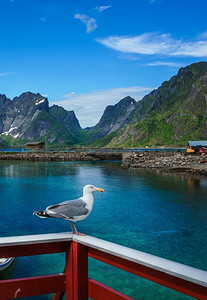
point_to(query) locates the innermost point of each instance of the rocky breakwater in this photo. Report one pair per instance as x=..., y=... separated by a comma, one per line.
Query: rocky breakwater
x=59, y=156
x=168, y=161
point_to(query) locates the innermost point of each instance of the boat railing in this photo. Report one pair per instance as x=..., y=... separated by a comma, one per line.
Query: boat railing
x=74, y=281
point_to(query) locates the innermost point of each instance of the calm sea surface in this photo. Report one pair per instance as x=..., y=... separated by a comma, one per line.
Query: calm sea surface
x=164, y=215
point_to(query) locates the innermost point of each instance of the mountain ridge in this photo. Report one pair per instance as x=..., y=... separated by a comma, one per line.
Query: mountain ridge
x=114, y=117
x=29, y=117
x=170, y=115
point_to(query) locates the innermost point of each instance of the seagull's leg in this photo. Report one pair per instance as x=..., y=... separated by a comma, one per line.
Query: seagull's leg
x=71, y=225
x=74, y=228
x=76, y=231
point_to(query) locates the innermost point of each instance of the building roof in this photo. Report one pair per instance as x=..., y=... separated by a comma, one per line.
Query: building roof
x=35, y=143
x=197, y=143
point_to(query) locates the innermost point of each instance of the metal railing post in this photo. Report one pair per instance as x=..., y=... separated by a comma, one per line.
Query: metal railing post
x=77, y=272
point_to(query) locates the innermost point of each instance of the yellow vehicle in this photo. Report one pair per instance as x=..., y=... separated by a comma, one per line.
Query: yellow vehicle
x=190, y=150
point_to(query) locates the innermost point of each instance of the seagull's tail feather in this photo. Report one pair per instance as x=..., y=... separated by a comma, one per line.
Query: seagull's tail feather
x=41, y=214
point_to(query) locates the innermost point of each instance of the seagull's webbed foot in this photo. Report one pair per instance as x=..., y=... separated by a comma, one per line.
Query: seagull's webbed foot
x=80, y=234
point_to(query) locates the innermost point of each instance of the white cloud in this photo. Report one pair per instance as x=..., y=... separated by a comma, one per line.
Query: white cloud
x=6, y=73
x=90, y=107
x=132, y=57
x=155, y=44
x=89, y=22
x=203, y=35
x=164, y=63
x=155, y=1
x=102, y=8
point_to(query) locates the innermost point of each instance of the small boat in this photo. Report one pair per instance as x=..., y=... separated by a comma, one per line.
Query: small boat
x=5, y=263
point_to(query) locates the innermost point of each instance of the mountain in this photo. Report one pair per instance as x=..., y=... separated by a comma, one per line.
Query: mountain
x=29, y=118
x=170, y=115
x=113, y=118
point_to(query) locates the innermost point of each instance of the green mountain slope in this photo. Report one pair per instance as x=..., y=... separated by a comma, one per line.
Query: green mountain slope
x=171, y=115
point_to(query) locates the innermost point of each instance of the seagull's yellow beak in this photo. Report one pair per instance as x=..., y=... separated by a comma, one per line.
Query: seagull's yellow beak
x=99, y=190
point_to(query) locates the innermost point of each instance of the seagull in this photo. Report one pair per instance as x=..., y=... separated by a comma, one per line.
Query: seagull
x=72, y=210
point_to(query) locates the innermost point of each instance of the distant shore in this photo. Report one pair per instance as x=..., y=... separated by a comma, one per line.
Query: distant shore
x=60, y=156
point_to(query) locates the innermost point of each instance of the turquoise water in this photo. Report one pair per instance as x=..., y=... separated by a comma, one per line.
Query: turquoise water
x=155, y=213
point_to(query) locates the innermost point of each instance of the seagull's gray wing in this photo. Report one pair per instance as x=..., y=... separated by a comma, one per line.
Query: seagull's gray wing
x=68, y=209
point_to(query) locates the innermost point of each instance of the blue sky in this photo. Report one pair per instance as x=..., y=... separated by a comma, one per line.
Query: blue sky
x=85, y=55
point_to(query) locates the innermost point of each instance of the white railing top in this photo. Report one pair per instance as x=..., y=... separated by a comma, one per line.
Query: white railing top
x=35, y=239
x=161, y=264
x=154, y=262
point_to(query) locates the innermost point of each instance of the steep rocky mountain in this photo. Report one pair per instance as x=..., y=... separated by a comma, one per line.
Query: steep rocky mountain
x=29, y=118
x=114, y=117
x=170, y=115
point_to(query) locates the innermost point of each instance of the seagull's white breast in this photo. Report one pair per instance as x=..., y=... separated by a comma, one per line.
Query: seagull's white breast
x=89, y=200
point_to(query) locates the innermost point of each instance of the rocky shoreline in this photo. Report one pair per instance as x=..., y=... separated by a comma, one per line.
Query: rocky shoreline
x=60, y=156
x=179, y=162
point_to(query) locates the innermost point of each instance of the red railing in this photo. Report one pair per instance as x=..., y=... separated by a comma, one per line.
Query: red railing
x=74, y=280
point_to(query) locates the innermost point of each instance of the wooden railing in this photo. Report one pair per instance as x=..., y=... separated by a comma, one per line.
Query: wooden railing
x=74, y=280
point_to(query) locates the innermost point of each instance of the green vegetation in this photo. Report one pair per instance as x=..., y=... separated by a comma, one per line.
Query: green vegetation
x=170, y=116
x=11, y=142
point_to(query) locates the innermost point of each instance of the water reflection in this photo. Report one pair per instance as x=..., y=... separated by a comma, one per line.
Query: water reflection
x=171, y=181
x=35, y=169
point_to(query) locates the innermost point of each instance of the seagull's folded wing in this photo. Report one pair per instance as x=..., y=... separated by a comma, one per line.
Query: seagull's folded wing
x=68, y=209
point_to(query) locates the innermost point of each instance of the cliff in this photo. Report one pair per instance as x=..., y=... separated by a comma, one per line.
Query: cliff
x=29, y=118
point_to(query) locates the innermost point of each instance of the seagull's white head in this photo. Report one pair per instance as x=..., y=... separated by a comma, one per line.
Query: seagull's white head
x=90, y=189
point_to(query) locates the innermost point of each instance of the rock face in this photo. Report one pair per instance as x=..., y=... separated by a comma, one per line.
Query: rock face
x=7, y=113
x=29, y=118
x=114, y=118
x=66, y=118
